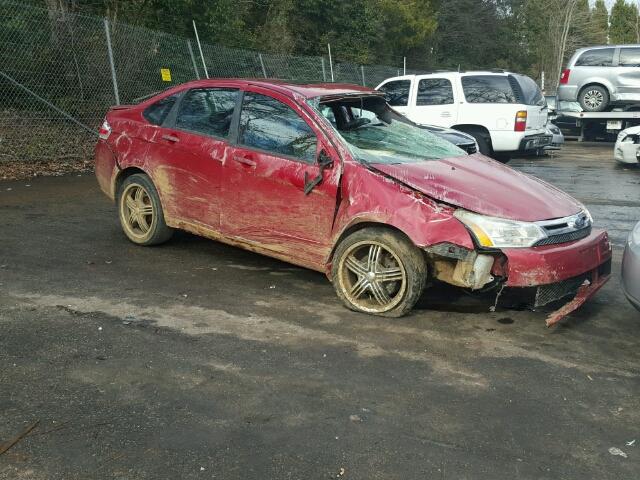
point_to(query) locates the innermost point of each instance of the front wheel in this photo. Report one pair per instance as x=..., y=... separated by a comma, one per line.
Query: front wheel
x=378, y=271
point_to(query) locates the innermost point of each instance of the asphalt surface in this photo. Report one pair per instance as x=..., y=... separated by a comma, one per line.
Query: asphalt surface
x=196, y=360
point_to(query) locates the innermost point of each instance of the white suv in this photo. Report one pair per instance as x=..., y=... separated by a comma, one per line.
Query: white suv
x=505, y=112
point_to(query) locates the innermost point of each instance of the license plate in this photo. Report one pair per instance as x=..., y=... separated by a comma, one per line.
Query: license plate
x=614, y=124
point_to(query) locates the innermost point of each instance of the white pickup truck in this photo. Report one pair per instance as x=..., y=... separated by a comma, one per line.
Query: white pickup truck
x=505, y=112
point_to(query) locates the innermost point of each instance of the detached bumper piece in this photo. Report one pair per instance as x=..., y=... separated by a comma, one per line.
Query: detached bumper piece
x=582, y=288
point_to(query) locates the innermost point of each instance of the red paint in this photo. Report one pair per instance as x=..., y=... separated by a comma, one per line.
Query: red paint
x=255, y=199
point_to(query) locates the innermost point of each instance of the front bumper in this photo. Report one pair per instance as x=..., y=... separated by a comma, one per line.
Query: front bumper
x=534, y=142
x=556, y=272
x=627, y=152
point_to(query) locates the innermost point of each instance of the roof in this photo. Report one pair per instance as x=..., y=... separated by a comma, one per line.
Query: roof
x=310, y=90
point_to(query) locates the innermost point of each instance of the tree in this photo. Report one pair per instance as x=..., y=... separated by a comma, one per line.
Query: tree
x=600, y=20
x=624, y=19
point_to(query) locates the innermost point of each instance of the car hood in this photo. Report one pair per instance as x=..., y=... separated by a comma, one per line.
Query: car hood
x=629, y=131
x=484, y=186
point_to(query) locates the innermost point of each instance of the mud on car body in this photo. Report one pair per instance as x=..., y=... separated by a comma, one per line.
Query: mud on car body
x=331, y=178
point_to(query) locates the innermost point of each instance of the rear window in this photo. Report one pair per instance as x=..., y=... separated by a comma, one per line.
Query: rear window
x=397, y=92
x=602, y=57
x=630, y=57
x=158, y=111
x=434, y=91
x=531, y=93
x=488, y=89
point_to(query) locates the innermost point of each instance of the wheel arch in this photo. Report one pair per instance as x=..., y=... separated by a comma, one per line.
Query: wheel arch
x=123, y=175
x=357, y=226
x=600, y=82
x=473, y=127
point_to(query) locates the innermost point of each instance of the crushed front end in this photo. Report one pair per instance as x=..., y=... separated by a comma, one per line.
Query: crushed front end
x=544, y=263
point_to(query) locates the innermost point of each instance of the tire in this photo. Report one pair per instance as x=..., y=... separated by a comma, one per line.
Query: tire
x=378, y=271
x=502, y=157
x=484, y=144
x=594, y=98
x=140, y=211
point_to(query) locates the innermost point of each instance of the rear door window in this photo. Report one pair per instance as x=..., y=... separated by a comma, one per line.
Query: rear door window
x=157, y=112
x=397, y=92
x=208, y=111
x=488, y=89
x=601, y=57
x=630, y=57
x=434, y=91
x=270, y=125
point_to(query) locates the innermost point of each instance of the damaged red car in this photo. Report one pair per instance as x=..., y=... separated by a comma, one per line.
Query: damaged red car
x=331, y=178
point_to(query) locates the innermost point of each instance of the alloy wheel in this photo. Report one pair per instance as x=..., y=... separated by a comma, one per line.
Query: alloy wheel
x=137, y=210
x=372, y=277
x=593, y=99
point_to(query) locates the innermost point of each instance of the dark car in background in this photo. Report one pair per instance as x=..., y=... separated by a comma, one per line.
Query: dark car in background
x=568, y=125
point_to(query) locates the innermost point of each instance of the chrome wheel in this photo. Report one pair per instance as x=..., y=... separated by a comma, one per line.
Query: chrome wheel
x=593, y=99
x=136, y=211
x=372, y=277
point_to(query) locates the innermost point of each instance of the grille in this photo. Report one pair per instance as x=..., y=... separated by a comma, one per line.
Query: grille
x=557, y=291
x=565, y=237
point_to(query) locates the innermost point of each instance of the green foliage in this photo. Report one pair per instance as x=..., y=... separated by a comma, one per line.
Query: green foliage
x=624, y=23
x=600, y=16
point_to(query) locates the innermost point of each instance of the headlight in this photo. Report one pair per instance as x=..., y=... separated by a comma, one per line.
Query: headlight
x=500, y=232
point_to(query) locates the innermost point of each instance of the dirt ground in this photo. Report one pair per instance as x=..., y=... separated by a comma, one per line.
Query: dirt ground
x=196, y=360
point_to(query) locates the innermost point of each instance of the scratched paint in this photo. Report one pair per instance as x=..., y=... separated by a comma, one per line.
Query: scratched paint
x=263, y=208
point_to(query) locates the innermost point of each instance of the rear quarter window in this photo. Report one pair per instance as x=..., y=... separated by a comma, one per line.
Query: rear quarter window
x=157, y=112
x=601, y=57
x=531, y=93
x=488, y=89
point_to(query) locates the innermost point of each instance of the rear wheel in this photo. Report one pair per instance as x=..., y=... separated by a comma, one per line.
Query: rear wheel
x=140, y=211
x=378, y=271
x=594, y=98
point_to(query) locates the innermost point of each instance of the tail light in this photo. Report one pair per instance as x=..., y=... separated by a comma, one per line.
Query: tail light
x=105, y=130
x=521, y=121
x=564, y=78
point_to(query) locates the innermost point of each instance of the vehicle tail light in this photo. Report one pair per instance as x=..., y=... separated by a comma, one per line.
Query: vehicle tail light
x=521, y=121
x=105, y=130
x=564, y=78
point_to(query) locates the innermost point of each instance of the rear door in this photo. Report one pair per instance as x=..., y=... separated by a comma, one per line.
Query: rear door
x=489, y=100
x=189, y=154
x=433, y=102
x=275, y=152
x=397, y=94
x=628, y=70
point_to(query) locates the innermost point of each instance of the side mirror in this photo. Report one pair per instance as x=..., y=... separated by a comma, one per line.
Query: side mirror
x=324, y=162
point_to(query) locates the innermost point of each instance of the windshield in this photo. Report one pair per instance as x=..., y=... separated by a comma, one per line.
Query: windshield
x=377, y=134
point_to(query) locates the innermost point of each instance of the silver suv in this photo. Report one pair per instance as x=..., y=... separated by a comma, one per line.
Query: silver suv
x=599, y=77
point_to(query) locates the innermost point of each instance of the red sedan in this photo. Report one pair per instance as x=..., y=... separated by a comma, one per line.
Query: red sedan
x=331, y=178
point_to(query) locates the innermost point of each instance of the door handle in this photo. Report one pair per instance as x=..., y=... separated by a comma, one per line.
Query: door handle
x=170, y=138
x=445, y=114
x=244, y=160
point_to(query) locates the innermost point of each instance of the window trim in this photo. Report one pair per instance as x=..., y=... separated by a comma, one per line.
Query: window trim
x=166, y=120
x=235, y=126
x=174, y=113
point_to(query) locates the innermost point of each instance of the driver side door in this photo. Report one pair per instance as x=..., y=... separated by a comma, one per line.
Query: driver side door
x=274, y=154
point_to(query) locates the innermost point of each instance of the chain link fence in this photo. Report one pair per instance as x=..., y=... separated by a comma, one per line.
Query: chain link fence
x=60, y=72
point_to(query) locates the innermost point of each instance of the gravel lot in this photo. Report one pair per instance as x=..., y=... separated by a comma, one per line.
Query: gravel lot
x=195, y=360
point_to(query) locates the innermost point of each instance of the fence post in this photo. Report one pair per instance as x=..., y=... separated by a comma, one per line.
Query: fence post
x=206, y=72
x=264, y=70
x=330, y=61
x=114, y=80
x=362, y=71
x=404, y=65
x=193, y=59
x=324, y=73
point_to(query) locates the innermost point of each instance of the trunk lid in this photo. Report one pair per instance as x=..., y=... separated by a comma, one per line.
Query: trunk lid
x=484, y=186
